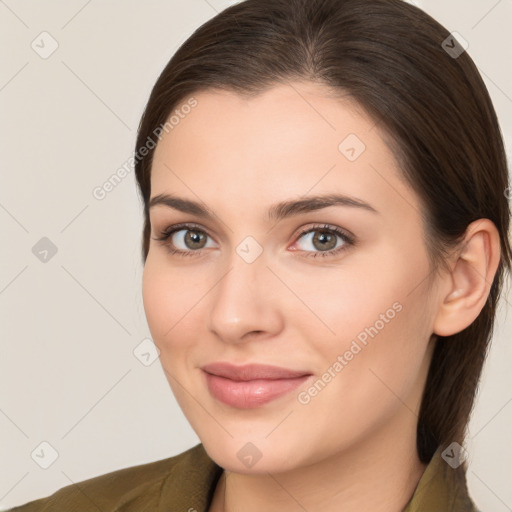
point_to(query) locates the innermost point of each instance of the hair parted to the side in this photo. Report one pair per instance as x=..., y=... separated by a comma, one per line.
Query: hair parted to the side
x=434, y=109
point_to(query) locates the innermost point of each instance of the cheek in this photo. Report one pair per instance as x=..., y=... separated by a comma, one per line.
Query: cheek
x=376, y=317
x=337, y=305
x=167, y=295
x=368, y=375
x=172, y=303
x=157, y=300
x=168, y=304
x=384, y=357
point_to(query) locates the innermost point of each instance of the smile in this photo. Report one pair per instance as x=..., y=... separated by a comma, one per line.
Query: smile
x=250, y=386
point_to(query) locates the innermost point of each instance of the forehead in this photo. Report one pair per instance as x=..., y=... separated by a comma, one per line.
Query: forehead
x=287, y=141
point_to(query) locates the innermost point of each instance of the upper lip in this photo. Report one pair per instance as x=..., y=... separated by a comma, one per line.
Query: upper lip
x=251, y=371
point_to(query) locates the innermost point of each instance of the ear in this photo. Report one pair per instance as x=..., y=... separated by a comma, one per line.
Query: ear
x=466, y=288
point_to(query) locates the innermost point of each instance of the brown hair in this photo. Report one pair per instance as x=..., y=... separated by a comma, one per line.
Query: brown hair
x=433, y=105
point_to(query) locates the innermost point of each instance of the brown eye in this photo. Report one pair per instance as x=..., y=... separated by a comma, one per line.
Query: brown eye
x=185, y=240
x=193, y=239
x=324, y=241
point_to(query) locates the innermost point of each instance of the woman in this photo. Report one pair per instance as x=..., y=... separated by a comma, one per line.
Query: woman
x=325, y=241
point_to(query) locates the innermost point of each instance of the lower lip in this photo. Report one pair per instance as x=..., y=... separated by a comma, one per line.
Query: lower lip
x=252, y=393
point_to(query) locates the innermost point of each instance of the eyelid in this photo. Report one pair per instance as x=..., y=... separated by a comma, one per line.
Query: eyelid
x=173, y=228
x=348, y=238
x=344, y=233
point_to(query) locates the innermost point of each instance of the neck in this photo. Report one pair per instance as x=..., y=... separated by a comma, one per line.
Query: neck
x=350, y=480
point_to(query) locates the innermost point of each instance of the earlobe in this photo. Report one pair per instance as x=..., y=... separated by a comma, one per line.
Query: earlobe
x=470, y=280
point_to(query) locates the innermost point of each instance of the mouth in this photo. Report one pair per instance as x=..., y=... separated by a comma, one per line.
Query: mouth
x=250, y=386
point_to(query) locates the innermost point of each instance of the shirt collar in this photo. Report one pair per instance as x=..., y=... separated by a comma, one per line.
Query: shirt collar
x=441, y=487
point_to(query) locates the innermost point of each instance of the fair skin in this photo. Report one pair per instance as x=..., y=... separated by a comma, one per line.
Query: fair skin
x=238, y=157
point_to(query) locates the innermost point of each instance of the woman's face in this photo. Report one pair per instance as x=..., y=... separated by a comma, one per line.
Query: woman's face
x=331, y=290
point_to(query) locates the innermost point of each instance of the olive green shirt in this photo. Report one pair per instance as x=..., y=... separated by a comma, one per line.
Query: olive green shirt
x=186, y=482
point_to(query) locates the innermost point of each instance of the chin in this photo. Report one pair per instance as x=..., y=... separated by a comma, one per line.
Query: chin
x=250, y=457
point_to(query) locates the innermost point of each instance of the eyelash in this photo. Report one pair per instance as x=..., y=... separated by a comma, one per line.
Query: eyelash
x=347, y=239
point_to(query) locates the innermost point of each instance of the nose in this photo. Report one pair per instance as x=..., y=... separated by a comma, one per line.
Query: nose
x=244, y=304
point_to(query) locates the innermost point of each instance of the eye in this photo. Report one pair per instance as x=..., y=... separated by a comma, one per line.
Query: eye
x=325, y=240
x=184, y=239
x=322, y=240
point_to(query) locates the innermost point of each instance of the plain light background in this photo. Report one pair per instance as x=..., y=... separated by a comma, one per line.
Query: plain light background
x=71, y=326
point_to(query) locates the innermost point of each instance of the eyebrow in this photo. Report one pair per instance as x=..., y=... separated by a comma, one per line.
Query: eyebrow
x=276, y=212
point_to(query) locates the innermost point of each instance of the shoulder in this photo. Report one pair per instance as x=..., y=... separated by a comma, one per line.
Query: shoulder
x=133, y=488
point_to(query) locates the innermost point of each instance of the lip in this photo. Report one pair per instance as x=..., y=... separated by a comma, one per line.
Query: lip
x=251, y=385
x=251, y=371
